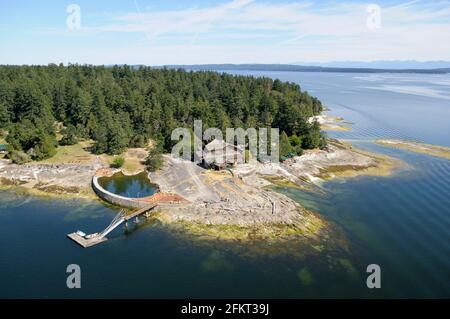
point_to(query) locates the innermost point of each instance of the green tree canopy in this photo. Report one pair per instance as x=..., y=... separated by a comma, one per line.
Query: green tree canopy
x=154, y=160
x=285, y=145
x=123, y=106
x=69, y=135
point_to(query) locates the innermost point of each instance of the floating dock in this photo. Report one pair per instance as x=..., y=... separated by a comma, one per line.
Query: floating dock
x=85, y=243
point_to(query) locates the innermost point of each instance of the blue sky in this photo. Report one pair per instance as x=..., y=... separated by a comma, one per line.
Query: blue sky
x=230, y=31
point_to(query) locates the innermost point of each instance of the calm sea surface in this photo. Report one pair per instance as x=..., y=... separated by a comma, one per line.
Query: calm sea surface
x=401, y=223
x=129, y=186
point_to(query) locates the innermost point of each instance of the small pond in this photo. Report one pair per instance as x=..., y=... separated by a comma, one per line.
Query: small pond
x=129, y=186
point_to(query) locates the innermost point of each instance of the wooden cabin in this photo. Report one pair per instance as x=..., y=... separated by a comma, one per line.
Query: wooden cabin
x=219, y=155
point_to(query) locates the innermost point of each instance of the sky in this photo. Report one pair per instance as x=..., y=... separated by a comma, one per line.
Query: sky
x=229, y=31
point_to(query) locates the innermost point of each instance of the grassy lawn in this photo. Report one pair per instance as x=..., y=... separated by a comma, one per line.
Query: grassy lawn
x=72, y=154
x=133, y=165
x=133, y=160
x=79, y=154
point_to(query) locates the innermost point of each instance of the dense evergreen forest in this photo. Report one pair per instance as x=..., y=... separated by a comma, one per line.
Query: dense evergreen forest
x=120, y=106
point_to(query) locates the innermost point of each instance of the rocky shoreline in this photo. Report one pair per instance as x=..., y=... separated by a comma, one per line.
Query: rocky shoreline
x=331, y=123
x=70, y=180
x=234, y=204
x=241, y=200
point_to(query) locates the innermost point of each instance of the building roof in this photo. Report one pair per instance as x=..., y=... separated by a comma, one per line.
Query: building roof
x=218, y=151
x=215, y=144
x=221, y=144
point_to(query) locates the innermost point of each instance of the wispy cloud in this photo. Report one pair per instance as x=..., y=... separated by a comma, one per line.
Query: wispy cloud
x=301, y=18
x=284, y=32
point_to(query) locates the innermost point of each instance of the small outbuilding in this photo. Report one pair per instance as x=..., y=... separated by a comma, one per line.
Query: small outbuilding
x=3, y=148
x=219, y=155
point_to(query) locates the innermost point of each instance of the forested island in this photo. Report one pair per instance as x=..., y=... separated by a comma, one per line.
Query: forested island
x=122, y=106
x=63, y=125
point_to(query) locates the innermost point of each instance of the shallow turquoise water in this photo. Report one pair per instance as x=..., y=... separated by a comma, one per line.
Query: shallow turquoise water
x=401, y=222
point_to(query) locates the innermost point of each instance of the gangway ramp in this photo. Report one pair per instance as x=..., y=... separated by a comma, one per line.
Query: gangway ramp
x=94, y=239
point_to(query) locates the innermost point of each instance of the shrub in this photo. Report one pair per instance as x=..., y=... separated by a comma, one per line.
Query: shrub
x=118, y=162
x=19, y=157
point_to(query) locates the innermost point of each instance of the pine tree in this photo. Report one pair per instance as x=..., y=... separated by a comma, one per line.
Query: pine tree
x=44, y=146
x=285, y=146
x=4, y=115
x=69, y=136
x=154, y=160
x=313, y=138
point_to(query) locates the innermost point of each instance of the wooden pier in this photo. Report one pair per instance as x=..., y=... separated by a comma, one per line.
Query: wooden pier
x=139, y=211
x=101, y=237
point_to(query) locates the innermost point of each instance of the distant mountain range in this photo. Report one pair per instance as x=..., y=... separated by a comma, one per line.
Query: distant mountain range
x=306, y=68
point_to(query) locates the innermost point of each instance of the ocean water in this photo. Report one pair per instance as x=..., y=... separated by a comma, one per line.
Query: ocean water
x=400, y=222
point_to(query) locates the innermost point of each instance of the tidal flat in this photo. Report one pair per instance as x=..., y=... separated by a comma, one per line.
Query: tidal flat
x=417, y=147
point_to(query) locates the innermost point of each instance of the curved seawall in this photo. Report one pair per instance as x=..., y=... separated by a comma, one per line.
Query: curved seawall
x=116, y=199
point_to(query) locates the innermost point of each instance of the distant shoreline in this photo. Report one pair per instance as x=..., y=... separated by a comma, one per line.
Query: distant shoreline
x=299, y=68
x=263, y=67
